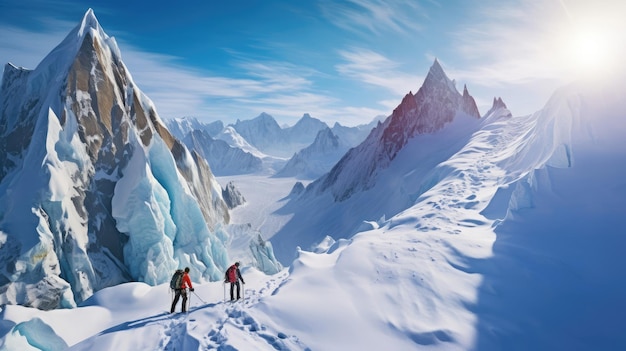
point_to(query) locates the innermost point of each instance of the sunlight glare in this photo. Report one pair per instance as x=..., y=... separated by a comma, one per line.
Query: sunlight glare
x=589, y=50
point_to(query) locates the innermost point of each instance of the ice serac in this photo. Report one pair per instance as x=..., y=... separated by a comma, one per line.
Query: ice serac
x=435, y=104
x=263, y=254
x=94, y=190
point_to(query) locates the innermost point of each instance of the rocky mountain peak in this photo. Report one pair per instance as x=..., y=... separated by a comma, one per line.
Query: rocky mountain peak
x=103, y=191
x=437, y=77
x=469, y=104
x=436, y=103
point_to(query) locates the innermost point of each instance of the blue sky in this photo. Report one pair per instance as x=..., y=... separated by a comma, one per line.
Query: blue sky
x=340, y=61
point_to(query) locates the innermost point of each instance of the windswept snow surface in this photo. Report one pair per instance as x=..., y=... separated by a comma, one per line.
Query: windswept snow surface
x=518, y=245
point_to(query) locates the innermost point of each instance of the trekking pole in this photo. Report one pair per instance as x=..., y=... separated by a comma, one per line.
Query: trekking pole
x=189, y=301
x=199, y=298
x=224, y=291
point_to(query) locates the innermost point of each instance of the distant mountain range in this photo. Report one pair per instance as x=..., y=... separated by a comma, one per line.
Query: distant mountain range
x=261, y=145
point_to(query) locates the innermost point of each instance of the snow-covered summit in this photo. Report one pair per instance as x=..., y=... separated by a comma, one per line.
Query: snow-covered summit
x=304, y=129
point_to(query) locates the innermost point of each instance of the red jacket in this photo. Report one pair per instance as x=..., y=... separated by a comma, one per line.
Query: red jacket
x=186, y=282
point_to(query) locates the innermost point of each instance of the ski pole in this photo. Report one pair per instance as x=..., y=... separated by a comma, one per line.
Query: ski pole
x=189, y=301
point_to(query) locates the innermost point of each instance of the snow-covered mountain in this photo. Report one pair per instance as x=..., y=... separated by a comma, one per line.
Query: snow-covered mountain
x=180, y=127
x=316, y=159
x=94, y=190
x=262, y=132
x=437, y=121
x=223, y=158
x=242, y=157
x=353, y=136
x=230, y=135
x=304, y=131
x=225, y=150
x=435, y=104
x=328, y=147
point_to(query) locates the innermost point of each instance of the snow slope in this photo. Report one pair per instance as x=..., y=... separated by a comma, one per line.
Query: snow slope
x=516, y=246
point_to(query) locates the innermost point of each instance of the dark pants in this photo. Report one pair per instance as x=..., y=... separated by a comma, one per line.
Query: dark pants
x=232, y=287
x=177, y=295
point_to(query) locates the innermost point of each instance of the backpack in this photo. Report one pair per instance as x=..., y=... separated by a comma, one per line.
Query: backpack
x=231, y=273
x=177, y=280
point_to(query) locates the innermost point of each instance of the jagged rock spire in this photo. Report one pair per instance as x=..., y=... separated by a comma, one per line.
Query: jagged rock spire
x=498, y=104
x=469, y=104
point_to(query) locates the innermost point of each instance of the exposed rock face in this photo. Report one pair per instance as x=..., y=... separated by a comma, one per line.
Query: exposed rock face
x=18, y=131
x=70, y=132
x=469, y=105
x=232, y=196
x=434, y=105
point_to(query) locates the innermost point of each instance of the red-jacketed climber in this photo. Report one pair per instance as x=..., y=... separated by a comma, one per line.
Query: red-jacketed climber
x=233, y=276
x=182, y=291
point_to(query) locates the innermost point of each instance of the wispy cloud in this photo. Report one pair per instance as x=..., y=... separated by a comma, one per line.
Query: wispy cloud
x=24, y=48
x=278, y=88
x=271, y=87
x=375, y=69
x=374, y=16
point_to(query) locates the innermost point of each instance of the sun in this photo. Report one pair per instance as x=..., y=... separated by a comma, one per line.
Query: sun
x=592, y=38
x=590, y=50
